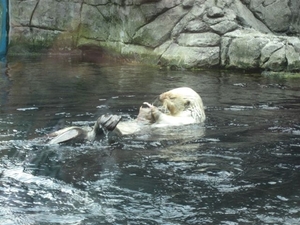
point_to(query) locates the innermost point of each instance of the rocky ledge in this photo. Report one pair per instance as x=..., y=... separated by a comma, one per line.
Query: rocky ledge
x=243, y=34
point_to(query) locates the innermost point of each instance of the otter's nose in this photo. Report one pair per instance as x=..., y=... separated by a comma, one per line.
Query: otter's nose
x=163, y=96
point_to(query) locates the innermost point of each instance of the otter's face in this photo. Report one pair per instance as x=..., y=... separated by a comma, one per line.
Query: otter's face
x=174, y=102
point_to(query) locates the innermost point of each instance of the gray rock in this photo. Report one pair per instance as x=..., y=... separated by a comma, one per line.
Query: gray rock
x=224, y=3
x=269, y=49
x=125, y=23
x=247, y=19
x=188, y=3
x=93, y=24
x=42, y=39
x=189, y=57
x=193, y=14
x=244, y=52
x=293, y=58
x=21, y=12
x=294, y=28
x=96, y=2
x=215, y=12
x=61, y=16
x=198, y=39
x=276, y=14
x=196, y=26
x=155, y=8
x=224, y=27
x=225, y=43
x=295, y=42
x=277, y=61
x=228, y=15
x=158, y=31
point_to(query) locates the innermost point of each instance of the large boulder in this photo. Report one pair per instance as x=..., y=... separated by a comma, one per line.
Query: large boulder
x=177, y=56
x=159, y=30
x=275, y=14
x=199, y=39
x=244, y=52
x=249, y=49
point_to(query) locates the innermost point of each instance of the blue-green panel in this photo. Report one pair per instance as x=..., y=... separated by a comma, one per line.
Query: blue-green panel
x=3, y=31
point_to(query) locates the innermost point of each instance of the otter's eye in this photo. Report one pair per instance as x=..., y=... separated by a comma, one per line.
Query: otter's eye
x=172, y=97
x=187, y=103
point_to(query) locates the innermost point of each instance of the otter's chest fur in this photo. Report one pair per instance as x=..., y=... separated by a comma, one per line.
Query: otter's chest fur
x=181, y=118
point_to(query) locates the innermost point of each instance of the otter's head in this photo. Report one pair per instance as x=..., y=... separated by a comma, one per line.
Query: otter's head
x=182, y=99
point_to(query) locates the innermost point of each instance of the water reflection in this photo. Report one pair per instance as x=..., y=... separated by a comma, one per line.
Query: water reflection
x=244, y=170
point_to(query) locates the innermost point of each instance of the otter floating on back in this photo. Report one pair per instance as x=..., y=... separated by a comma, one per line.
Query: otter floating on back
x=180, y=106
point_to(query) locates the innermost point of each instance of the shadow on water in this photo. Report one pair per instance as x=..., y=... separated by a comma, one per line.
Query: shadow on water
x=242, y=168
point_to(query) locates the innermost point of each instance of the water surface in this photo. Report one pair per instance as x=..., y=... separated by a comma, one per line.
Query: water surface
x=243, y=170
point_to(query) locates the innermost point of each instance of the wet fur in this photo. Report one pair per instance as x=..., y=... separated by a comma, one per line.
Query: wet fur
x=182, y=106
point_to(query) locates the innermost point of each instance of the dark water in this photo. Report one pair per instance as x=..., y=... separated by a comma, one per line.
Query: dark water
x=244, y=170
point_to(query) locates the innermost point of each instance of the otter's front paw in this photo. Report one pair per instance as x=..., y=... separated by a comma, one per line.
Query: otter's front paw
x=154, y=110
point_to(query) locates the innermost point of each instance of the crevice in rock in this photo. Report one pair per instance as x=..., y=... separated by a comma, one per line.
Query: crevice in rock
x=95, y=4
x=284, y=62
x=117, y=20
x=242, y=22
x=182, y=23
x=31, y=16
x=161, y=55
x=271, y=53
x=92, y=38
x=256, y=16
x=226, y=49
x=45, y=28
x=167, y=35
x=80, y=24
x=286, y=58
x=259, y=14
x=265, y=4
x=100, y=12
x=154, y=17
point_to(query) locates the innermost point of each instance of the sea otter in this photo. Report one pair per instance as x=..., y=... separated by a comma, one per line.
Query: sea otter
x=183, y=106
x=180, y=106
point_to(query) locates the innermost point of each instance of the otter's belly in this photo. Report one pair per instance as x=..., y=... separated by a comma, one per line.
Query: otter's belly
x=166, y=120
x=127, y=128
x=135, y=130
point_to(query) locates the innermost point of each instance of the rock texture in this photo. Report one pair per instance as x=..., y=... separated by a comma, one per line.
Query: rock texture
x=244, y=34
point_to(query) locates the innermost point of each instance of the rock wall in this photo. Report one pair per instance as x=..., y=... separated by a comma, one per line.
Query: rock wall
x=245, y=34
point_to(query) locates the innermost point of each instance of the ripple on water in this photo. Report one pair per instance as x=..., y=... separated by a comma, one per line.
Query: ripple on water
x=244, y=170
x=43, y=200
x=139, y=207
x=27, y=109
